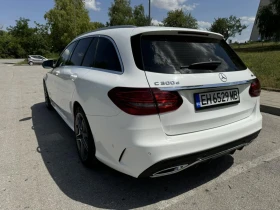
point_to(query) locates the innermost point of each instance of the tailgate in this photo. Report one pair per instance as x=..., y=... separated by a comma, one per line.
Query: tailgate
x=187, y=118
x=200, y=68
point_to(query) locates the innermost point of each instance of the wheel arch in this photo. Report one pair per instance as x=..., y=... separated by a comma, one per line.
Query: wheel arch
x=76, y=104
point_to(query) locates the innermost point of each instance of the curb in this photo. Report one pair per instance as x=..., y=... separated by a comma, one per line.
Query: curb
x=270, y=110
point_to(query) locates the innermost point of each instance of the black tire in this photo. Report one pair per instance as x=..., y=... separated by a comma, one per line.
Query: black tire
x=84, y=139
x=47, y=98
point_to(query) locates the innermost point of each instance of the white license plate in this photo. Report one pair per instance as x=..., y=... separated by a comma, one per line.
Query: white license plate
x=216, y=98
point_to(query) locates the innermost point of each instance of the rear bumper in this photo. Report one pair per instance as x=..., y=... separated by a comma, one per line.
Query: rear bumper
x=138, y=148
x=177, y=164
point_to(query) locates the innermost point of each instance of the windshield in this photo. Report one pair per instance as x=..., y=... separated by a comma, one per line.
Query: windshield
x=177, y=54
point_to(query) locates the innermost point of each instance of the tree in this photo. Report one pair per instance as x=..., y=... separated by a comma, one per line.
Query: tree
x=268, y=20
x=139, y=17
x=21, y=29
x=20, y=40
x=228, y=27
x=96, y=25
x=67, y=19
x=10, y=47
x=26, y=40
x=41, y=40
x=178, y=18
x=121, y=13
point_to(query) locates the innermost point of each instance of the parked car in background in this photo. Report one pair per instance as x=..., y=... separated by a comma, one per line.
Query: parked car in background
x=36, y=59
x=153, y=101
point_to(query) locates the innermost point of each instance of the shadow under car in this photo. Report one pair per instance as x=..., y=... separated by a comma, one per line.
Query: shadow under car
x=104, y=187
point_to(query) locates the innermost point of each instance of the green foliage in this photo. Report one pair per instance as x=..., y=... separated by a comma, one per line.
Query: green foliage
x=263, y=58
x=67, y=19
x=178, y=18
x=20, y=40
x=121, y=13
x=24, y=62
x=10, y=46
x=21, y=29
x=96, y=25
x=228, y=27
x=265, y=65
x=140, y=19
x=268, y=20
x=220, y=25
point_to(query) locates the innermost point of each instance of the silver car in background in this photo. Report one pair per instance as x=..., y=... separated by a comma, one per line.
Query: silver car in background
x=36, y=59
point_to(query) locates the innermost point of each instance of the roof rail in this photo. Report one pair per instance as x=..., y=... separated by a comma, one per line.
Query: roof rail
x=110, y=27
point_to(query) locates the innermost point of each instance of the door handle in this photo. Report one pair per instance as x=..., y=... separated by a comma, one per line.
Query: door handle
x=57, y=73
x=73, y=76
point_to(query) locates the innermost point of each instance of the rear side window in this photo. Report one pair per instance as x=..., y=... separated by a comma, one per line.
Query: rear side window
x=79, y=52
x=89, y=57
x=106, y=56
x=66, y=55
x=184, y=54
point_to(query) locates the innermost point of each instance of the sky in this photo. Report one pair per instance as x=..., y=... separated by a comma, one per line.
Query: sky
x=205, y=11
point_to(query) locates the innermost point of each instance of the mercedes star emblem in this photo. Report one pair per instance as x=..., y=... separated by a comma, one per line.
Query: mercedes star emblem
x=223, y=77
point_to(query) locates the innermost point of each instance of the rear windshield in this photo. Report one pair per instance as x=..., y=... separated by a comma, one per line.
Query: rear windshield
x=184, y=54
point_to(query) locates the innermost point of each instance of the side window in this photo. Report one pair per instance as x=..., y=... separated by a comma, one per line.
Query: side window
x=79, y=52
x=65, y=55
x=89, y=57
x=106, y=56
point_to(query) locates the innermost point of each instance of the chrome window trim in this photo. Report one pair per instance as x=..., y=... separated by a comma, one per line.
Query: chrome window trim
x=205, y=86
x=98, y=69
x=116, y=48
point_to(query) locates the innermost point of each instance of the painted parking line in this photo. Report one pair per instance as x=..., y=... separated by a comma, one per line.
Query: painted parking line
x=230, y=173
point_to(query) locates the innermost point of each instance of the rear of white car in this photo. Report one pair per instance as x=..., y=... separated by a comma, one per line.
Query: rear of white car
x=199, y=108
x=181, y=97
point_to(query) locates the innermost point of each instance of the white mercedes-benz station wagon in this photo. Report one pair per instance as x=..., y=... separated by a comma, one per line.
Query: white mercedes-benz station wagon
x=153, y=101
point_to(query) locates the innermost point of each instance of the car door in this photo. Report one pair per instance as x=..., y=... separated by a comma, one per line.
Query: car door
x=34, y=59
x=58, y=72
x=40, y=59
x=73, y=74
x=37, y=59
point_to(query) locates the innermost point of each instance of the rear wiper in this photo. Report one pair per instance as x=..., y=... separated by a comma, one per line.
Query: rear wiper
x=211, y=65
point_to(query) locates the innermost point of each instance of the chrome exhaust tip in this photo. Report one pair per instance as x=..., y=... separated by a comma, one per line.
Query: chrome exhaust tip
x=171, y=170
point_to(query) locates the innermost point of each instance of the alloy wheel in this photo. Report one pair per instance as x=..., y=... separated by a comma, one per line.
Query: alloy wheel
x=81, y=136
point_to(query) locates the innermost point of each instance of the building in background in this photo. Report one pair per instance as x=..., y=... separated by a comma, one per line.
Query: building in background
x=255, y=35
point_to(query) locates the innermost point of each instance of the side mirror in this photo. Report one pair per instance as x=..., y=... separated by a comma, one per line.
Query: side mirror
x=48, y=64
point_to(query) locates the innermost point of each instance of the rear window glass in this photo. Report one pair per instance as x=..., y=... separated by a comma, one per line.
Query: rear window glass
x=184, y=54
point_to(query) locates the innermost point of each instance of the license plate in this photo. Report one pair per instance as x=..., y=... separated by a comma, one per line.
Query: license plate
x=216, y=98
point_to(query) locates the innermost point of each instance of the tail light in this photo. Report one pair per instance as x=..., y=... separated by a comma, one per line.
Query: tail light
x=145, y=101
x=255, y=89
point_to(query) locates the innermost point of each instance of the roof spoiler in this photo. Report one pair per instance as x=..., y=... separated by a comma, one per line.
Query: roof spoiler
x=193, y=33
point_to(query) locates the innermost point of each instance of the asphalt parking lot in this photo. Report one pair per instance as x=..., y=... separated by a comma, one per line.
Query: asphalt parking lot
x=40, y=168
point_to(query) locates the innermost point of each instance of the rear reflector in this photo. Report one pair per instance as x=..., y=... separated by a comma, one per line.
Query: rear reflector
x=255, y=88
x=144, y=101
